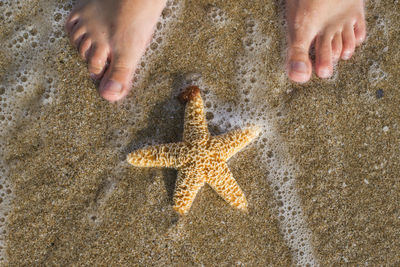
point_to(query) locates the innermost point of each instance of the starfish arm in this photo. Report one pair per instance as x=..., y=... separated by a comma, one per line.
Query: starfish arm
x=232, y=142
x=165, y=155
x=188, y=185
x=222, y=181
x=195, y=126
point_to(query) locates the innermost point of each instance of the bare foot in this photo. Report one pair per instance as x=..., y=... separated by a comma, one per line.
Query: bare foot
x=336, y=27
x=112, y=35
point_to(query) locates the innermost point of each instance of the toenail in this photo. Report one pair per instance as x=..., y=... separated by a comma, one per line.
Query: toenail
x=324, y=73
x=346, y=54
x=112, y=87
x=298, y=66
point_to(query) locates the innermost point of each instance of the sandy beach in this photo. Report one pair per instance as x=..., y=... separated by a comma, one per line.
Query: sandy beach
x=322, y=180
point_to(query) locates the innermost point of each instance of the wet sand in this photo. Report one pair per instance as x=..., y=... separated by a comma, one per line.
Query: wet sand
x=76, y=201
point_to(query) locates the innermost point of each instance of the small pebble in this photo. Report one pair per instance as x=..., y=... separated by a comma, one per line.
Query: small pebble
x=379, y=93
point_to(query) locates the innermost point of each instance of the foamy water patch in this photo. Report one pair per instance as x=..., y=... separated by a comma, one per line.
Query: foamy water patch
x=8, y=7
x=5, y=202
x=217, y=16
x=376, y=74
x=28, y=81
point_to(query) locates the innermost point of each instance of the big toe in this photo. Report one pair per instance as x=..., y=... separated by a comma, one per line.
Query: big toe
x=116, y=82
x=299, y=65
x=117, y=79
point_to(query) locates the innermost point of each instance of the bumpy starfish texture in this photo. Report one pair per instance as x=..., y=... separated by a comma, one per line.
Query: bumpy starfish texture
x=199, y=158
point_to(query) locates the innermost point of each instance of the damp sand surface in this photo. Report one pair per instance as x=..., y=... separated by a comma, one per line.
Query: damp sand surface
x=324, y=175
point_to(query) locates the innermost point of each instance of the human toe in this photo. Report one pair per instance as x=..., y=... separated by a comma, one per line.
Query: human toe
x=299, y=65
x=97, y=60
x=337, y=46
x=71, y=21
x=77, y=35
x=360, y=31
x=349, y=41
x=84, y=46
x=323, y=64
x=115, y=84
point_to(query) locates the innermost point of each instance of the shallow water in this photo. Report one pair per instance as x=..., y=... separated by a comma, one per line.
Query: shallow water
x=321, y=181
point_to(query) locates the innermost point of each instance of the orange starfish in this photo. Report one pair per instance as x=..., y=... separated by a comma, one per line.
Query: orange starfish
x=199, y=158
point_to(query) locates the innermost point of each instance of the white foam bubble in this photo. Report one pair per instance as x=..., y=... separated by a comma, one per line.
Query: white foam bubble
x=8, y=9
x=217, y=16
x=376, y=74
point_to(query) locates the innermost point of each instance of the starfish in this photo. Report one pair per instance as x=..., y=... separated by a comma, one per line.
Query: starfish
x=199, y=158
